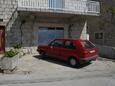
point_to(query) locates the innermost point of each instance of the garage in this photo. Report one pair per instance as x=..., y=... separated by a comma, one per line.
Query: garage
x=47, y=34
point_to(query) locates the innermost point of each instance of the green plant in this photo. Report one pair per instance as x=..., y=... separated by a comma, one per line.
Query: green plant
x=11, y=53
x=17, y=45
x=112, y=10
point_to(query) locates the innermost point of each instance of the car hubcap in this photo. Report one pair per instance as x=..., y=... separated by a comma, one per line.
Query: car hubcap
x=73, y=62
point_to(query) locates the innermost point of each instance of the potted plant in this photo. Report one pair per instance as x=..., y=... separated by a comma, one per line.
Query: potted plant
x=10, y=60
x=18, y=48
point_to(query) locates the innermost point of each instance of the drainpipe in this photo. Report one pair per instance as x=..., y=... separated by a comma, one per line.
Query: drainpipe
x=21, y=32
x=69, y=30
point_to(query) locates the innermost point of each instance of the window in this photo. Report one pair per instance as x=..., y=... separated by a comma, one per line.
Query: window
x=56, y=43
x=56, y=4
x=69, y=45
x=87, y=44
x=99, y=35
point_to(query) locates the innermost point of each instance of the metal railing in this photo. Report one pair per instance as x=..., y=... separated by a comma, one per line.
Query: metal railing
x=93, y=6
x=61, y=5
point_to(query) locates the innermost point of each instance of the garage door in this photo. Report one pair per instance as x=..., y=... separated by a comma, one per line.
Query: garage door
x=47, y=34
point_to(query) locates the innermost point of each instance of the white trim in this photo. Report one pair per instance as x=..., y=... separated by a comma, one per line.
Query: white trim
x=74, y=6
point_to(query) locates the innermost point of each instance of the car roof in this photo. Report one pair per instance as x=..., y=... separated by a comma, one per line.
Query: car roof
x=69, y=39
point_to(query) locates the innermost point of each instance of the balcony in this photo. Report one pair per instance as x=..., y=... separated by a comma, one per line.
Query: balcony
x=80, y=7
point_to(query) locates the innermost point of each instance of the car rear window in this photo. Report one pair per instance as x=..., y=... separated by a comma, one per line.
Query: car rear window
x=87, y=44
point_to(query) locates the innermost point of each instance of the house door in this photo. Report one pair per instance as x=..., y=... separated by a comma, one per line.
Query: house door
x=47, y=34
x=2, y=35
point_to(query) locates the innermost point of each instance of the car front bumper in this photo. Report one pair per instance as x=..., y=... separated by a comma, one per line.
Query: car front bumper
x=88, y=59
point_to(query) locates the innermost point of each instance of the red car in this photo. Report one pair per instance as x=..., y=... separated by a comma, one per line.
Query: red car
x=74, y=51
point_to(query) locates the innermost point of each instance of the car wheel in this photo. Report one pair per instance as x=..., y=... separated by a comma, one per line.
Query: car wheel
x=73, y=62
x=43, y=55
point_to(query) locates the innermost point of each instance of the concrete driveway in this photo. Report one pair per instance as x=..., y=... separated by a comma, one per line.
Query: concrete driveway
x=34, y=71
x=33, y=64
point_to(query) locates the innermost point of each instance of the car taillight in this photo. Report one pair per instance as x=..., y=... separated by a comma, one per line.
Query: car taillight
x=85, y=52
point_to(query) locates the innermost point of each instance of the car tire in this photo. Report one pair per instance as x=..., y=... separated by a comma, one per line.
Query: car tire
x=73, y=62
x=43, y=55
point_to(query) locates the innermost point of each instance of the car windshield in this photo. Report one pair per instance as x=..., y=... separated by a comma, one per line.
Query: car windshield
x=87, y=44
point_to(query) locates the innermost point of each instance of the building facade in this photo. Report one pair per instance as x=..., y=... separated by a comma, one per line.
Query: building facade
x=102, y=29
x=35, y=22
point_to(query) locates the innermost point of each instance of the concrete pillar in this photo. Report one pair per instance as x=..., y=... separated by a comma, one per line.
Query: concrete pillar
x=66, y=31
x=36, y=27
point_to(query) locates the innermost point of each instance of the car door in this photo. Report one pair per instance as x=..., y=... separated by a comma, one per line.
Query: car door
x=55, y=48
x=69, y=49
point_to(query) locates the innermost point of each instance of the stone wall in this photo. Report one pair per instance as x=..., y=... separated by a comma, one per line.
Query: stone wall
x=104, y=24
x=25, y=30
x=22, y=31
x=7, y=7
x=106, y=51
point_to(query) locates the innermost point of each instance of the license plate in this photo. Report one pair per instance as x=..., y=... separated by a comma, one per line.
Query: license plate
x=92, y=51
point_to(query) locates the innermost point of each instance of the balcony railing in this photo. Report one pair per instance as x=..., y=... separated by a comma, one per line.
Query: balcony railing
x=67, y=6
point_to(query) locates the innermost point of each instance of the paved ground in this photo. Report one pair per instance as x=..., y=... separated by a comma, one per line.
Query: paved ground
x=33, y=71
x=33, y=64
x=77, y=82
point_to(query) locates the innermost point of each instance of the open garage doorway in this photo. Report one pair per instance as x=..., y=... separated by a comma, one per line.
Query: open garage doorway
x=47, y=34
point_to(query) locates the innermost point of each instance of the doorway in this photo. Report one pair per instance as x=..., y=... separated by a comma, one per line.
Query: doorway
x=2, y=39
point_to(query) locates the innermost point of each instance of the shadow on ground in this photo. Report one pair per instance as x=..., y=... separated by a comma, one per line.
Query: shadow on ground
x=101, y=58
x=59, y=62
x=1, y=71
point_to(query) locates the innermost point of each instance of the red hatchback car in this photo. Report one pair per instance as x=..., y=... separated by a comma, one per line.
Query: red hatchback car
x=74, y=51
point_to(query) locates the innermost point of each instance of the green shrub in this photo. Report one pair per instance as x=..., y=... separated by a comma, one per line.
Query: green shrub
x=112, y=10
x=17, y=46
x=11, y=53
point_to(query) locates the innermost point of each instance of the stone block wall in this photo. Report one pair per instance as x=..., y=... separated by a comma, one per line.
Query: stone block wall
x=104, y=24
x=106, y=51
x=25, y=30
x=22, y=31
x=7, y=7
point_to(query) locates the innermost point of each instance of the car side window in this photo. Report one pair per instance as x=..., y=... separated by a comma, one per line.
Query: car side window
x=69, y=45
x=57, y=43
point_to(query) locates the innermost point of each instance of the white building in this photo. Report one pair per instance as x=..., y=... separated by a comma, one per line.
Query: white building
x=34, y=22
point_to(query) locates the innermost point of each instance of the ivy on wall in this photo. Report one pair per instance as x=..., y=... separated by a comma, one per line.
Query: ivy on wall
x=110, y=20
x=112, y=12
